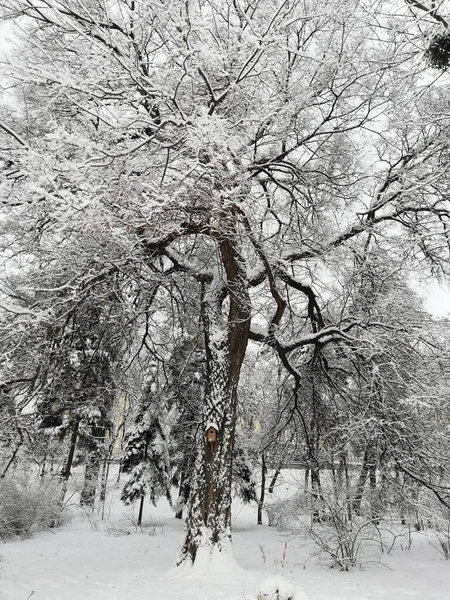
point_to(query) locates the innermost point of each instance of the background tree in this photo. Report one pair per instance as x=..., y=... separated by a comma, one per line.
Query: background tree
x=145, y=456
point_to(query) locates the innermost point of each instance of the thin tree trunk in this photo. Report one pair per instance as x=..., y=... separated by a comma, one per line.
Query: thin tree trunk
x=13, y=455
x=344, y=467
x=263, y=489
x=336, y=476
x=185, y=490
x=179, y=513
x=340, y=471
x=104, y=479
x=373, y=491
x=104, y=488
x=141, y=510
x=401, y=486
x=42, y=470
x=273, y=481
x=67, y=467
x=105, y=471
x=105, y=476
x=306, y=480
x=316, y=494
x=357, y=500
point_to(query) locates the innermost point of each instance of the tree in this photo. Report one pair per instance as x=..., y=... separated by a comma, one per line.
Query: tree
x=185, y=388
x=248, y=148
x=145, y=456
x=60, y=364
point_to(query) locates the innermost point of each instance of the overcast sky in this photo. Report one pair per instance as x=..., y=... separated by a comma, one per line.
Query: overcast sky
x=437, y=299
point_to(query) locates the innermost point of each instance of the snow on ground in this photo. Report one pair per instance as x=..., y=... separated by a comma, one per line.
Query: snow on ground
x=90, y=559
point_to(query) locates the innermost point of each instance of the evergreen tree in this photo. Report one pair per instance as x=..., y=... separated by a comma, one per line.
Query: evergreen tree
x=145, y=456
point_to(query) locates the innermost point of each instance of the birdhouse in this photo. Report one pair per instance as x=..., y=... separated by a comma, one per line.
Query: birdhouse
x=211, y=432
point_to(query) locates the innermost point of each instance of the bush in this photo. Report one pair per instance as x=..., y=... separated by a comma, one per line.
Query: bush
x=344, y=541
x=439, y=534
x=28, y=503
x=151, y=525
x=286, y=514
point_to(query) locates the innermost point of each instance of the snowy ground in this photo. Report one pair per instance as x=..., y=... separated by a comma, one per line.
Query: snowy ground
x=111, y=560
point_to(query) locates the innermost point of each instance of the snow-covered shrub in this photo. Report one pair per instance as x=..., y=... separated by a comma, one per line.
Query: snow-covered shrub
x=439, y=535
x=443, y=538
x=116, y=531
x=341, y=540
x=27, y=503
x=275, y=588
x=150, y=525
x=286, y=514
x=352, y=540
x=325, y=521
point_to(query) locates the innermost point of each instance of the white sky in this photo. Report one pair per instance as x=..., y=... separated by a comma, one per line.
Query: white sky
x=436, y=297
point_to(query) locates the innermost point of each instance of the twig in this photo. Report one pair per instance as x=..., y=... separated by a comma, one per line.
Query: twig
x=46, y=527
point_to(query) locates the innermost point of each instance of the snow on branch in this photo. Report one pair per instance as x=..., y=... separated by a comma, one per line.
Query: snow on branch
x=13, y=134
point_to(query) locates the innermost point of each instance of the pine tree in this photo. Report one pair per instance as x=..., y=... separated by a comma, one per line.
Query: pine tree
x=145, y=457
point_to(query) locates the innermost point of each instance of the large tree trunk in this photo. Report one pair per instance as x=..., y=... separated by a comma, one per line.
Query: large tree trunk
x=208, y=524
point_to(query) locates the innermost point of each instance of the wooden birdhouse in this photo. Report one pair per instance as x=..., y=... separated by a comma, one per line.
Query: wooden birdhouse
x=211, y=433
